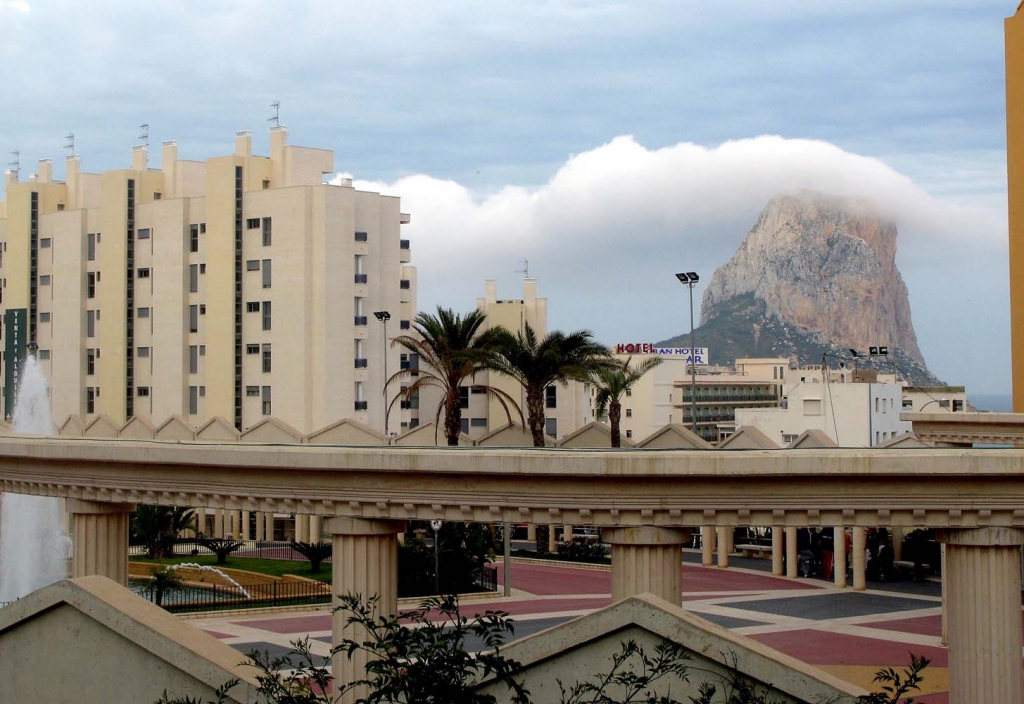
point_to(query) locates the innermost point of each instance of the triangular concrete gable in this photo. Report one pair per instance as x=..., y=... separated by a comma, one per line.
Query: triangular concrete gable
x=906, y=441
x=92, y=640
x=811, y=439
x=748, y=438
x=175, y=428
x=674, y=436
x=217, y=429
x=424, y=436
x=271, y=430
x=102, y=426
x=583, y=648
x=346, y=432
x=592, y=435
x=137, y=428
x=510, y=435
x=72, y=427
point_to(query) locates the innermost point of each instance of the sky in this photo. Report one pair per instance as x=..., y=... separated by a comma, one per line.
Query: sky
x=610, y=144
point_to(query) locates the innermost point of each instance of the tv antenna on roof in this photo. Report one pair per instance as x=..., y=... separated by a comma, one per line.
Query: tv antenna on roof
x=276, y=118
x=70, y=145
x=144, y=137
x=525, y=271
x=15, y=162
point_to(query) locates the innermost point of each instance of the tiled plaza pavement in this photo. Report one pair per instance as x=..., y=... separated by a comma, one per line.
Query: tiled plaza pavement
x=848, y=634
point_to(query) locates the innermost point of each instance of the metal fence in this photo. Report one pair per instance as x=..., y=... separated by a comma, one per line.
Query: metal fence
x=191, y=598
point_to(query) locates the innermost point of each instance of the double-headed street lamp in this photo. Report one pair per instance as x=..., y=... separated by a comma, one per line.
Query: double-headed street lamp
x=689, y=279
x=384, y=316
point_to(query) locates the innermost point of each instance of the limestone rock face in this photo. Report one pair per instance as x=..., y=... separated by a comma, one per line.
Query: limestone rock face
x=823, y=264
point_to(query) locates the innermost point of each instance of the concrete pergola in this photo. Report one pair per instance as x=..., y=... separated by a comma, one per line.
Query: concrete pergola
x=642, y=499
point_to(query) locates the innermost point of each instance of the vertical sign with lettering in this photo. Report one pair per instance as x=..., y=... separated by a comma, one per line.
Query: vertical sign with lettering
x=15, y=345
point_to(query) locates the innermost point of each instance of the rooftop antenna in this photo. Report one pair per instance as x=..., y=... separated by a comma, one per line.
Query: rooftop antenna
x=144, y=137
x=70, y=145
x=15, y=162
x=525, y=271
x=276, y=118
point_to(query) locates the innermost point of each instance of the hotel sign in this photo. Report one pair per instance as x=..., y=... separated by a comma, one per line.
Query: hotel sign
x=701, y=356
x=15, y=345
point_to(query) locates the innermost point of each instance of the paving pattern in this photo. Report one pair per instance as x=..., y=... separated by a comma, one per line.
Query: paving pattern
x=848, y=634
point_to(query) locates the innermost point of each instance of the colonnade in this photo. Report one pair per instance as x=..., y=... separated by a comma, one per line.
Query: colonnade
x=239, y=525
x=982, y=580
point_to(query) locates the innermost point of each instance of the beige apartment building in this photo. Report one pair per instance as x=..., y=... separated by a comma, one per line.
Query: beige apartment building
x=242, y=286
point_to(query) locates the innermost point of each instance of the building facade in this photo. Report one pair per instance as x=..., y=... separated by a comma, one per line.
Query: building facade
x=242, y=287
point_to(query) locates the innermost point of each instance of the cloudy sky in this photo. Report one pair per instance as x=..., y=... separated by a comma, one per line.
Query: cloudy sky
x=609, y=143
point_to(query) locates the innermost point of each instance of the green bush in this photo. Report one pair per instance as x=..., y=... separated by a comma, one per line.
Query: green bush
x=583, y=550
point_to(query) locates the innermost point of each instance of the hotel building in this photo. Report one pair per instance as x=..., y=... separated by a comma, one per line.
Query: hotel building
x=242, y=287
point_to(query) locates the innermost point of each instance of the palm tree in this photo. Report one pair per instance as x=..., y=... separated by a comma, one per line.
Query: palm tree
x=157, y=527
x=538, y=363
x=454, y=348
x=612, y=383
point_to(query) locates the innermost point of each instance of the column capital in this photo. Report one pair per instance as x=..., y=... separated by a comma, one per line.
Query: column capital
x=349, y=525
x=643, y=535
x=81, y=506
x=981, y=537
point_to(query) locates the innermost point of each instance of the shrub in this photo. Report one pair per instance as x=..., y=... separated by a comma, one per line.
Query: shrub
x=583, y=550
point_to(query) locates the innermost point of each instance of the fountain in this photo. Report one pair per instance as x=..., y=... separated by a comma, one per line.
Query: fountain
x=33, y=545
x=212, y=570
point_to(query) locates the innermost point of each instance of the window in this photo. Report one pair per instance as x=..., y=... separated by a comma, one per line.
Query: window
x=404, y=284
x=478, y=423
x=90, y=285
x=789, y=438
x=252, y=349
x=252, y=391
x=629, y=412
x=142, y=352
x=193, y=238
x=90, y=399
x=266, y=315
x=193, y=318
x=267, y=232
x=463, y=397
x=202, y=268
x=629, y=392
x=143, y=313
x=45, y=243
x=252, y=224
x=361, y=237
x=266, y=273
x=551, y=397
x=252, y=307
x=142, y=391
x=202, y=350
x=90, y=323
x=143, y=235
x=193, y=359
x=91, y=248
x=812, y=407
x=252, y=265
x=551, y=427
x=266, y=400
x=193, y=278
x=629, y=433
x=157, y=195
x=266, y=183
x=404, y=325
x=193, y=400
x=90, y=362
x=477, y=390
x=143, y=273
x=44, y=280
x=60, y=206
x=44, y=317
x=266, y=357
x=202, y=392
x=44, y=355
x=202, y=309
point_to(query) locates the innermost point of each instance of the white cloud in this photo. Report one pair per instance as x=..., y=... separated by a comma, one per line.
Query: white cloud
x=607, y=231
x=16, y=5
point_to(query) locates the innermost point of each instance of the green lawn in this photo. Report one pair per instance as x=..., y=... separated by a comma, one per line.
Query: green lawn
x=276, y=568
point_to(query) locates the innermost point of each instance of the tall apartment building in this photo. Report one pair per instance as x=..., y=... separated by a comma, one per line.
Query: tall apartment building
x=242, y=287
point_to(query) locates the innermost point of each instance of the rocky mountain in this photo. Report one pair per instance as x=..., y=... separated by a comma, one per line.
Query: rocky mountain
x=815, y=274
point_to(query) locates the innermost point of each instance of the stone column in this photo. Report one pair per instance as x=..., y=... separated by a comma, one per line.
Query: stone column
x=860, y=545
x=983, y=578
x=552, y=539
x=301, y=528
x=707, y=545
x=646, y=559
x=232, y=524
x=792, y=559
x=839, y=553
x=365, y=562
x=200, y=516
x=723, y=545
x=945, y=601
x=269, y=516
x=260, y=522
x=531, y=532
x=218, y=523
x=314, y=529
x=99, y=531
x=778, y=545
x=245, y=535
x=567, y=533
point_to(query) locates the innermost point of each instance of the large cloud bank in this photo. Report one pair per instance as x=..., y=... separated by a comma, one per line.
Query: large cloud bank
x=606, y=233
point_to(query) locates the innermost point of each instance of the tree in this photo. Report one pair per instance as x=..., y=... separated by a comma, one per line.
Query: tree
x=316, y=553
x=537, y=363
x=453, y=348
x=221, y=547
x=612, y=383
x=163, y=582
x=157, y=527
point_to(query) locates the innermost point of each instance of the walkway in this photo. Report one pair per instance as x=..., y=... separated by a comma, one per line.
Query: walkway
x=849, y=634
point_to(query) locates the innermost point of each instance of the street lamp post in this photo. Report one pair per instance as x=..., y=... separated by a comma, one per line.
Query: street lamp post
x=436, y=525
x=384, y=316
x=689, y=279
